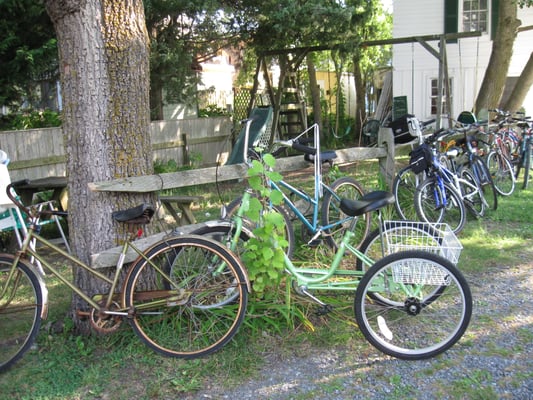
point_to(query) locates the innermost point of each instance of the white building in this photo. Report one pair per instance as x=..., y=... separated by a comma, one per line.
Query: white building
x=415, y=69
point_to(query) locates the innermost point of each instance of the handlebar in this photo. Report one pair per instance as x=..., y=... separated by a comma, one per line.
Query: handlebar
x=297, y=145
x=30, y=211
x=10, y=193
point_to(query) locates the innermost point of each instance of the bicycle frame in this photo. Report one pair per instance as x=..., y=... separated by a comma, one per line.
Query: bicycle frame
x=303, y=275
x=27, y=249
x=311, y=224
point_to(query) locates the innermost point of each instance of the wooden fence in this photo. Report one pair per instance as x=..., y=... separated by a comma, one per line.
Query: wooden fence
x=40, y=153
x=384, y=155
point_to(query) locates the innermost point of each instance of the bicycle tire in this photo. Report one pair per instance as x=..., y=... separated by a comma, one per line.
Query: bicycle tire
x=235, y=204
x=429, y=205
x=472, y=193
x=421, y=326
x=20, y=310
x=502, y=173
x=482, y=173
x=403, y=187
x=527, y=164
x=200, y=307
x=345, y=187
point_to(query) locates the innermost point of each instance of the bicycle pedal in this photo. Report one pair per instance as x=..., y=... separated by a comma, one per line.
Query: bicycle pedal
x=314, y=243
x=324, y=310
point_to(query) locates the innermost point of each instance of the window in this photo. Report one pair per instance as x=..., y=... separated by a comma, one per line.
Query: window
x=435, y=96
x=475, y=15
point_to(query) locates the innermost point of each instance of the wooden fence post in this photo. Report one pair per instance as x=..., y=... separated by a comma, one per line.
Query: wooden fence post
x=387, y=167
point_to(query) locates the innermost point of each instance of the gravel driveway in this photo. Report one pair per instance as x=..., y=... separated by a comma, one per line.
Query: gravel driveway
x=494, y=360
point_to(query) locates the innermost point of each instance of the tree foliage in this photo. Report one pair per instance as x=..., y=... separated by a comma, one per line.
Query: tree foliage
x=28, y=50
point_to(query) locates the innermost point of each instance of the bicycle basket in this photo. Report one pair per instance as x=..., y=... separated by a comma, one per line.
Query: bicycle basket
x=436, y=238
x=421, y=158
x=420, y=272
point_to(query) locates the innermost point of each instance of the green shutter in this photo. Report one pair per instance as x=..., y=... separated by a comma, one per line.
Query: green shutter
x=451, y=17
x=494, y=18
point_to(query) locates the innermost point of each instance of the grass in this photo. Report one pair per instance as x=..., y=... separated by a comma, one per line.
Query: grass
x=66, y=366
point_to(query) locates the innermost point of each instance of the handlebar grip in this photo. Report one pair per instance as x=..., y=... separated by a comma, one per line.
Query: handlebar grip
x=303, y=148
x=428, y=122
x=278, y=151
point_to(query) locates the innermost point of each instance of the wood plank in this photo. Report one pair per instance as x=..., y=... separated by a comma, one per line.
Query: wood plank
x=171, y=180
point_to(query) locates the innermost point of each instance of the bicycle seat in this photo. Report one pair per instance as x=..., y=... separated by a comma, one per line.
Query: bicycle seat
x=136, y=215
x=325, y=156
x=369, y=202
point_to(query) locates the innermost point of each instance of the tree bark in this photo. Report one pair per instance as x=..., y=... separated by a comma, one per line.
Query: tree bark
x=104, y=67
x=360, y=99
x=521, y=89
x=493, y=83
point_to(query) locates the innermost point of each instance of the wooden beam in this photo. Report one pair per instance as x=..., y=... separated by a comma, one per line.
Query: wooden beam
x=171, y=180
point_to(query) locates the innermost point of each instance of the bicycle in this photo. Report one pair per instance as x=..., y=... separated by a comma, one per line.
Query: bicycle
x=499, y=159
x=184, y=296
x=411, y=304
x=406, y=180
x=323, y=204
x=525, y=152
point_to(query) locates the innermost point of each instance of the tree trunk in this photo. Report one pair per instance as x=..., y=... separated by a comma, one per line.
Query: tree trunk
x=104, y=68
x=315, y=91
x=521, y=89
x=502, y=49
x=360, y=99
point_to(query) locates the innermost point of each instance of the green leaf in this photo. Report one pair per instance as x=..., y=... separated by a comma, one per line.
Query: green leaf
x=269, y=160
x=276, y=197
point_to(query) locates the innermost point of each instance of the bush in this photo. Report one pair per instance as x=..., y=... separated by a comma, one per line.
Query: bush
x=30, y=120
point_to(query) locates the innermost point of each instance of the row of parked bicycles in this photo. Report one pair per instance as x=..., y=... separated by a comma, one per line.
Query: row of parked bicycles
x=464, y=169
x=186, y=296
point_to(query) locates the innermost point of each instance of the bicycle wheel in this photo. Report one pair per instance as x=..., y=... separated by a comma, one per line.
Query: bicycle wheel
x=482, y=174
x=501, y=171
x=472, y=192
x=232, y=208
x=403, y=187
x=348, y=188
x=398, y=236
x=189, y=298
x=21, y=308
x=436, y=203
x=224, y=233
x=525, y=164
x=419, y=326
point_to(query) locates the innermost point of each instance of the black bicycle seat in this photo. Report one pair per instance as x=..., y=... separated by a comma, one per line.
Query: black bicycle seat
x=325, y=156
x=369, y=202
x=136, y=215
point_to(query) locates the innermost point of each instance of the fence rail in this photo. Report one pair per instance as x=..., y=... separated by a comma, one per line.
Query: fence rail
x=40, y=153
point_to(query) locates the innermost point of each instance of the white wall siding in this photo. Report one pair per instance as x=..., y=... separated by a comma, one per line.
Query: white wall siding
x=414, y=66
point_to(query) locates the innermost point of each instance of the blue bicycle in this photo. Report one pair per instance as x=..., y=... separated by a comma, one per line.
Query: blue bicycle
x=320, y=213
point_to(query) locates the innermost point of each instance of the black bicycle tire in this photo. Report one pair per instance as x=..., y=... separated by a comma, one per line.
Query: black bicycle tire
x=475, y=206
x=391, y=333
x=401, y=200
x=489, y=190
x=527, y=163
x=455, y=197
x=6, y=261
x=190, y=310
x=326, y=218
